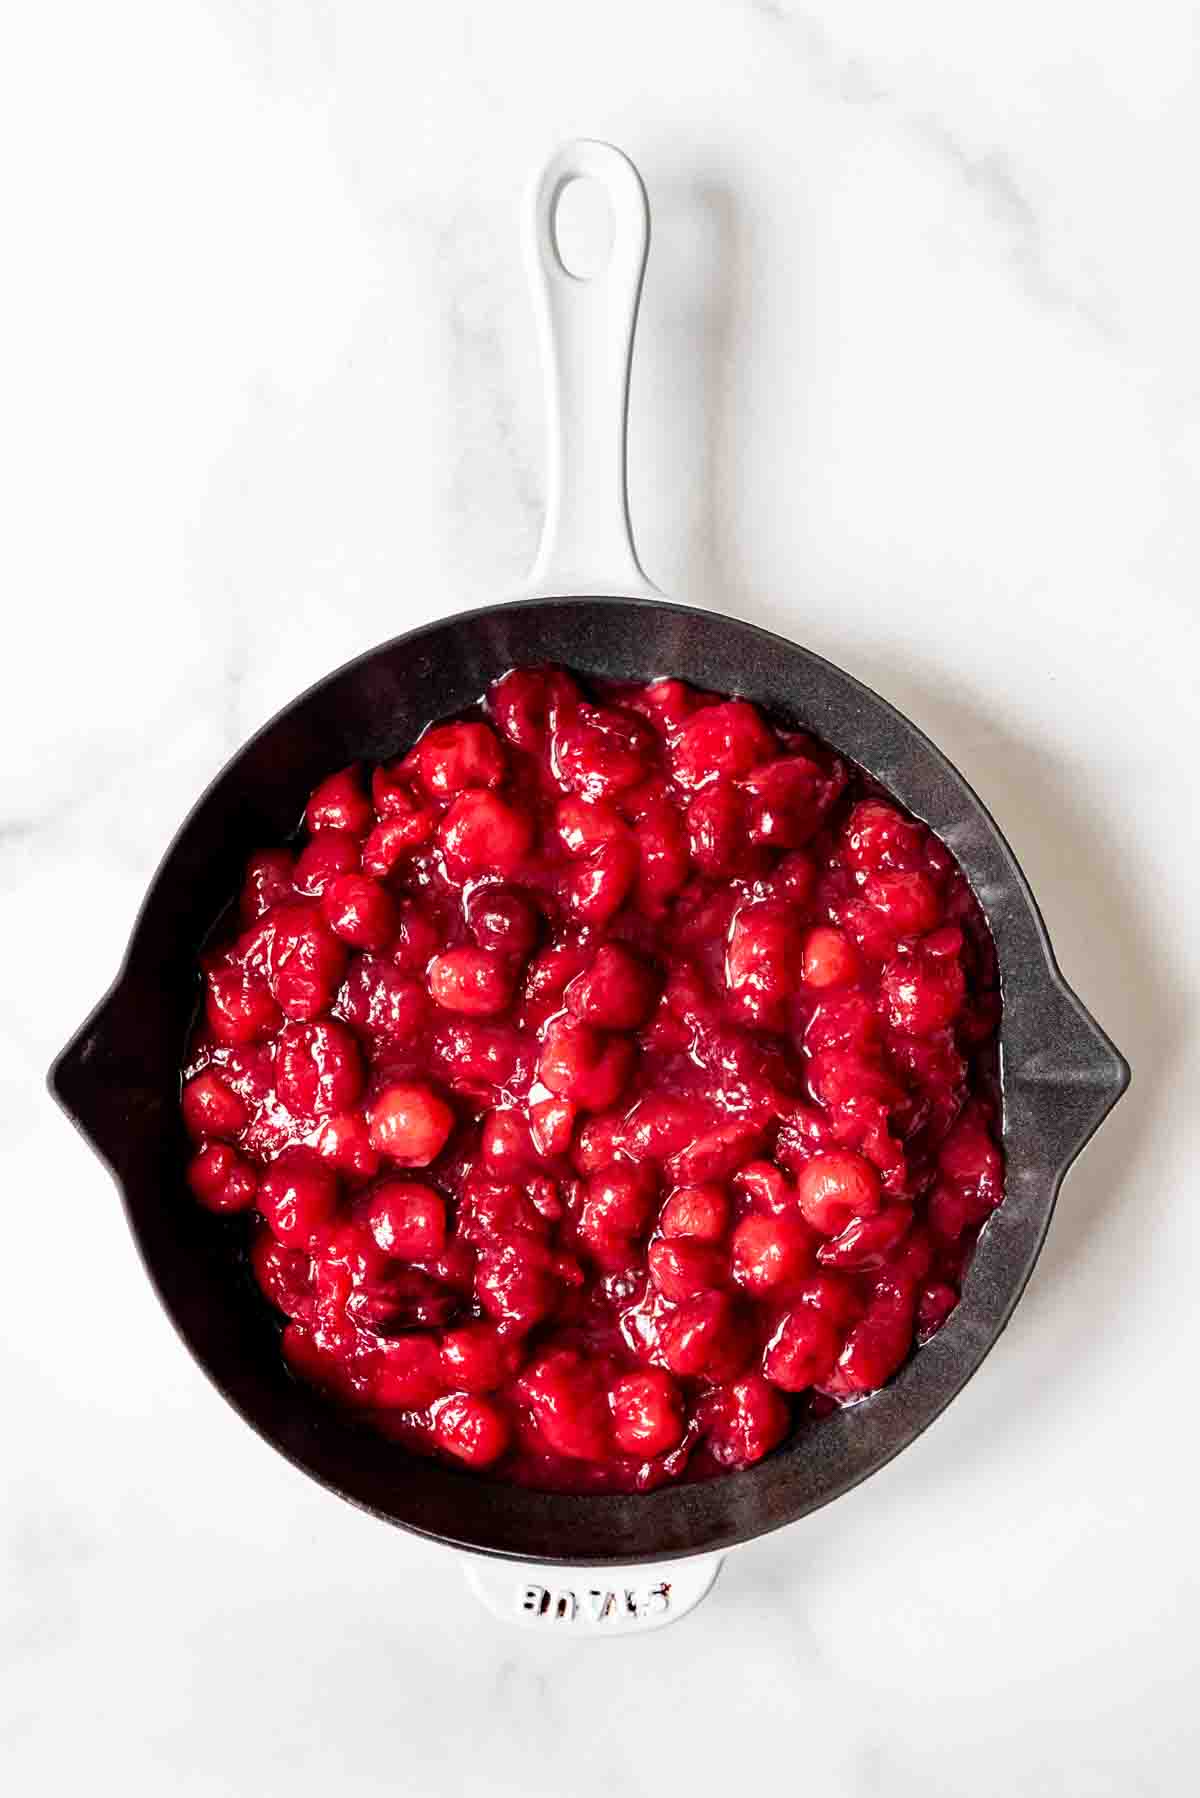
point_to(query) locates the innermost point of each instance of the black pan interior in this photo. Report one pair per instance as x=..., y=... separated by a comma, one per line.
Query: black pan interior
x=118, y=1079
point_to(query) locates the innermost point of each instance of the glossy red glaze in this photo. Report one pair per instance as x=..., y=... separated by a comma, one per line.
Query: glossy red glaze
x=614, y=1074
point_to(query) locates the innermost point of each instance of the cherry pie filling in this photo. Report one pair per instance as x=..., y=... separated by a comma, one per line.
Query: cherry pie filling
x=608, y=1083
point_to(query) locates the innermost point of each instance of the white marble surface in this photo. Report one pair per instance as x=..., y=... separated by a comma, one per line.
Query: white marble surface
x=918, y=383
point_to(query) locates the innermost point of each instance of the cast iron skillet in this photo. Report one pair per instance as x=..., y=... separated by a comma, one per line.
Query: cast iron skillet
x=118, y=1079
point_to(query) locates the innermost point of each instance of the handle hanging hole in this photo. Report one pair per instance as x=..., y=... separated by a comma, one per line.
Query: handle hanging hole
x=582, y=226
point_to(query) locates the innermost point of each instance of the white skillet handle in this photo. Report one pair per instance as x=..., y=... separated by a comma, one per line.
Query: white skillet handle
x=586, y=326
x=592, y=1601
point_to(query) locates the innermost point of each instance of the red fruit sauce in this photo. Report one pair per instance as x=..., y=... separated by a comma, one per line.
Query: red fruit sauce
x=608, y=1083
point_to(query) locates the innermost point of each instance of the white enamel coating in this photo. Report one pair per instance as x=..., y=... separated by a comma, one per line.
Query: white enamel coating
x=592, y=1601
x=586, y=328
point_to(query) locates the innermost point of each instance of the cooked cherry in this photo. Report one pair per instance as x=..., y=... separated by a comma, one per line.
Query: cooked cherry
x=718, y=836
x=680, y=1267
x=659, y=1125
x=618, y=1204
x=867, y=1242
x=526, y=702
x=599, y=751
x=221, y=1179
x=922, y=993
x=328, y=854
x=318, y=1069
x=345, y=1143
x=394, y=797
x=595, y=889
x=615, y=993
x=408, y=1372
x=339, y=803
x=839, y=1296
x=474, y=1430
x=828, y=959
x=583, y=825
x=770, y=1253
x=803, y=1349
x=518, y=1283
x=581, y=1065
x=296, y=1196
x=476, y=1358
x=501, y=921
x=907, y=900
x=492, y=1211
x=473, y=1055
x=934, y=1306
x=349, y=1268
x=834, y=1187
x=551, y=1125
x=647, y=1413
x=284, y=1275
x=762, y=962
x=409, y=1124
x=566, y=1395
x=482, y=834
x=547, y=977
x=360, y=911
x=970, y=1159
x=452, y=757
x=878, y=1343
x=211, y=1108
x=598, y=1142
x=720, y=740
x=268, y=882
x=707, y=1335
x=239, y=1007
x=715, y=1155
x=323, y=1361
x=381, y=1003
x=787, y=801
x=663, y=857
x=877, y=836
x=793, y=878
x=701, y=1212
x=507, y=1142
x=417, y=939
x=667, y=703
x=407, y=1220
x=748, y=1420
x=477, y=982
x=307, y=961
x=395, y=837
x=767, y=1188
